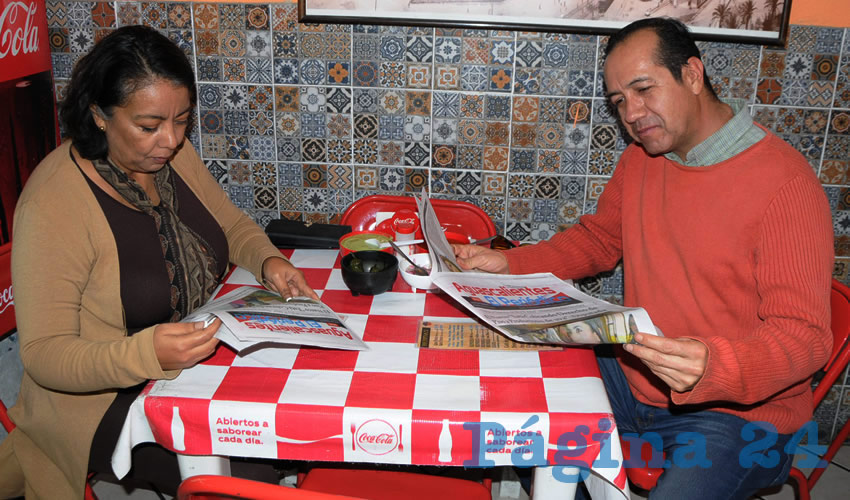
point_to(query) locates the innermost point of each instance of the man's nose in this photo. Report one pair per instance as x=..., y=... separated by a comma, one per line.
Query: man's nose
x=633, y=110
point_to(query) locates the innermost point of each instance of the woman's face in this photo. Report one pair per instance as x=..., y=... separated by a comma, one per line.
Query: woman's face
x=581, y=332
x=148, y=130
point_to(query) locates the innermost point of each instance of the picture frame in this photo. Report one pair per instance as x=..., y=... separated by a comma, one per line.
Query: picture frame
x=745, y=21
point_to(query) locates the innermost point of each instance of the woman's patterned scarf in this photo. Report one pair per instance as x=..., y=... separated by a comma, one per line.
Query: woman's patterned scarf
x=189, y=259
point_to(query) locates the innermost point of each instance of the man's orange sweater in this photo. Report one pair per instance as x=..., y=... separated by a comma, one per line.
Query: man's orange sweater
x=737, y=255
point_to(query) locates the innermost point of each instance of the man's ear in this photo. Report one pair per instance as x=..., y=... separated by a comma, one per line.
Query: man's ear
x=692, y=75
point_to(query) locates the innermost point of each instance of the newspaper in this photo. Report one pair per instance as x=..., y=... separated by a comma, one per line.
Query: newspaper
x=540, y=308
x=254, y=318
x=534, y=308
x=439, y=249
x=470, y=335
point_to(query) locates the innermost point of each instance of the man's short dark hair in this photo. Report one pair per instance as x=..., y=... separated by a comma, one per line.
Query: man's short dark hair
x=675, y=45
x=126, y=60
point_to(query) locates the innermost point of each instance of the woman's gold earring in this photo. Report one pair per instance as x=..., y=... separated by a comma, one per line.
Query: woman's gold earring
x=102, y=128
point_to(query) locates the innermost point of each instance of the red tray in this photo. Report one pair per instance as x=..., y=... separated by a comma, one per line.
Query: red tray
x=455, y=216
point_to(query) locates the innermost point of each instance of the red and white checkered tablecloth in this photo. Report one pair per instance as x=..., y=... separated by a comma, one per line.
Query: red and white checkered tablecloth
x=385, y=405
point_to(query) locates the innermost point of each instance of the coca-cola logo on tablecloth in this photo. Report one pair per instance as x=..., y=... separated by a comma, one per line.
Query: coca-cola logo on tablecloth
x=23, y=39
x=376, y=437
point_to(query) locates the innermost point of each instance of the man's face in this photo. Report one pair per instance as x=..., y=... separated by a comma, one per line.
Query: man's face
x=656, y=110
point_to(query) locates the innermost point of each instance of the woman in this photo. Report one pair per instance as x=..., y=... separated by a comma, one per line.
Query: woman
x=589, y=331
x=119, y=233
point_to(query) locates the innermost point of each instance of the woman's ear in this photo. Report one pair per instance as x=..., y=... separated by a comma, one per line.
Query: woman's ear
x=98, y=116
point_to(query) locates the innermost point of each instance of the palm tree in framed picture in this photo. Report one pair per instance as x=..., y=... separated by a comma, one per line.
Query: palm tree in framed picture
x=721, y=14
x=746, y=10
x=774, y=13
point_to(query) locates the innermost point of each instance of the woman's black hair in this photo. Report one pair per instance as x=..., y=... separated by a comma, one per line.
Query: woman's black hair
x=126, y=60
x=675, y=45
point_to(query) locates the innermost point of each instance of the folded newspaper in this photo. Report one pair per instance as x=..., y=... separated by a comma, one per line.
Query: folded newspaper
x=541, y=308
x=253, y=318
x=536, y=308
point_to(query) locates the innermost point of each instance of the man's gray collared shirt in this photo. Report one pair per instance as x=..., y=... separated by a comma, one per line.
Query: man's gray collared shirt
x=735, y=136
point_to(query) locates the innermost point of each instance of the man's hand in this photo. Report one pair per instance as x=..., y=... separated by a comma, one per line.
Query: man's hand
x=680, y=363
x=481, y=258
x=182, y=345
x=282, y=277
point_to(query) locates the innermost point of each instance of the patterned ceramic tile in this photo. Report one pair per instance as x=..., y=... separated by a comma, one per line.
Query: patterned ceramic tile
x=607, y=286
x=392, y=126
x=842, y=89
x=56, y=12
x=473, y=60
x=841, y=269
x=607, y=139
x=733, y=68
x=805, y=73
x=241, y=116
x=805, y=129
x=555, y=64
x=836, y=164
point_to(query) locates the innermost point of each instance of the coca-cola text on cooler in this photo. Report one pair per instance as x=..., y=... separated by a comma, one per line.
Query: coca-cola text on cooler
x=6, y=299
x=18, y=32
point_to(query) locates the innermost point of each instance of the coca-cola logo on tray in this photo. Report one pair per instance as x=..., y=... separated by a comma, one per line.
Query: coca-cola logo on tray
x=376, y=437
x=23, y=38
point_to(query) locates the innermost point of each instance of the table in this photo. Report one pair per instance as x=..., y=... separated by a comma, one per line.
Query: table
x=392, y=404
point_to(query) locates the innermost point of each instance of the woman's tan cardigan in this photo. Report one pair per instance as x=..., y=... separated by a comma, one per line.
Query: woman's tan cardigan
x=73, y=341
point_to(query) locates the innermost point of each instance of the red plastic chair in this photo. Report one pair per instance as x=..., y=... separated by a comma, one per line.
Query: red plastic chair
x=840, y=303
x=455, y=216
x=646, y=477
x=393, y=485
x=218, y=487
x=7, y=324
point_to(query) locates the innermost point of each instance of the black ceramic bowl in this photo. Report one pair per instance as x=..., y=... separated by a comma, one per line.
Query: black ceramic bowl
x=369, y=272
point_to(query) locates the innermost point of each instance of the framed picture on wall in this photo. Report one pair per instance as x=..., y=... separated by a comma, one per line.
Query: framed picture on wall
x=751, y=21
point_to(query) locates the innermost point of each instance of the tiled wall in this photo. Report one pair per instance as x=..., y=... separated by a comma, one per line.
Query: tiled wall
x=300, y=120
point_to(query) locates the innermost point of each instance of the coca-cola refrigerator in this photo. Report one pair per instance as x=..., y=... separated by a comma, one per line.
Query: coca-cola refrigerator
x=28, y=127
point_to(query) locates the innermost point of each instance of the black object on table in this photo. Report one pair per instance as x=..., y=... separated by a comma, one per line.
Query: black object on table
x=285, y=233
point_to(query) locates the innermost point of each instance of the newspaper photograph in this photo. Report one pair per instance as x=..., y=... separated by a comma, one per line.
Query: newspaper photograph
x=253, y=317
x=543, y=309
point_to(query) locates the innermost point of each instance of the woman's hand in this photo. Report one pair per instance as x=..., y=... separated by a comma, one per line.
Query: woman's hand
x=182, y=345
x=282, y=277
x=481, y=258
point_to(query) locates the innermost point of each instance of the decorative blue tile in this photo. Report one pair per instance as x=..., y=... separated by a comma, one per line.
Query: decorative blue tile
x=312, y=72
x=78, y=14
x=474, y=78
x=288, y=149
x=262, y=148
x=286, y=71
x=446, y=104
x=518, y=231
x=241, y=196
x=218, y=170
x=63, y=64
x=447, y=50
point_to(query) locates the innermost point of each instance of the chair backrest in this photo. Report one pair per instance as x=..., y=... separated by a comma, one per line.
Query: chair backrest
x=208, y=486
x=840, y=304
x=454, y=215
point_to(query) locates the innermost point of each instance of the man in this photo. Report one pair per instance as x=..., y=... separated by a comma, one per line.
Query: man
x=726, y=240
